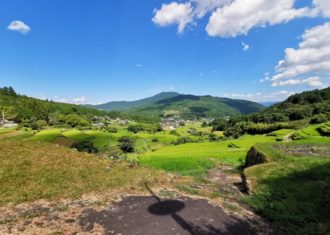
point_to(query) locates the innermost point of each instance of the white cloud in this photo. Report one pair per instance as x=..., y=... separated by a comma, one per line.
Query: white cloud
x=240, y=16
x=174, y=13
x=311, y=59
x=80, y=100
x=312, y=81
x=322, y=7
x=139, y=65
x=204, y=6
x=230, y=18
x=19, y=26
x=259, y=96
x=245, y=46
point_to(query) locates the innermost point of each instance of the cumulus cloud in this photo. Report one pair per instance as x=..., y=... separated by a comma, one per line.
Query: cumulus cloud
x=230, y=18
x=19, y=26
x=322, y=7
x=311, y=59
x=240, y=16
x=174, y=13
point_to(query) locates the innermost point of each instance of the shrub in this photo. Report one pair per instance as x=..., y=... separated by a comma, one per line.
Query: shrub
x=213, y=137
x=112, y=129
x=127, y=144
x=85, y=146
x=154, y=140
x=145, y=127
x=174, y=132
x=320, y=118
x=183, y=140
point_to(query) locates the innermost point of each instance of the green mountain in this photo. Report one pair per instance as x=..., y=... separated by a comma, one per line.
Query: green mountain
x=127, y=105
x=186, y=106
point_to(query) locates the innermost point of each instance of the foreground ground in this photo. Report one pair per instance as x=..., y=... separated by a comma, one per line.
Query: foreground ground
x=49, y=189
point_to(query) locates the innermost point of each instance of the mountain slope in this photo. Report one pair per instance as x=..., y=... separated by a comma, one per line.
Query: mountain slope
x=126, y=105
x=186, y=106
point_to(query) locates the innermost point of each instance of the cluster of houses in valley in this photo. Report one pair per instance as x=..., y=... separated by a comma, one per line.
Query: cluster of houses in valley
x=172, y=123
x=5, y=123
x=168, y=123
x=99, y=121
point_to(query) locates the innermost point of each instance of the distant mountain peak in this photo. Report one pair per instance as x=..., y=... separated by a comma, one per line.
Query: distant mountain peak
x=185, y=105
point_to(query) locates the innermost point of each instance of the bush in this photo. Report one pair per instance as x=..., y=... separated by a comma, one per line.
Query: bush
x=183, y=140
x=127, y=144
x=174, y=132
x=320, y=118
x=85, y=146
x=154, y=140
x=112, y=129
x=145, y=127
x=213, y=137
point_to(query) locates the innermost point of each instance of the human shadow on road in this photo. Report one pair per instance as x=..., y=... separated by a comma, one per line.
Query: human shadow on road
x=144, y=215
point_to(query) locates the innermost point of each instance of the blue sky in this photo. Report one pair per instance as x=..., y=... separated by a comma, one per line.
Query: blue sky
x=88, y=51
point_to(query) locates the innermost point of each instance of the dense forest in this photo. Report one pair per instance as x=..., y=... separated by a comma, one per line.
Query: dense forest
x=34, y=112
x=310, y=106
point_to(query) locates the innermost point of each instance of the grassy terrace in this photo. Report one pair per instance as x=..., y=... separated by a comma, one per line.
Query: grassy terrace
x=293, y=189
x=196, y=158
x=30, y=171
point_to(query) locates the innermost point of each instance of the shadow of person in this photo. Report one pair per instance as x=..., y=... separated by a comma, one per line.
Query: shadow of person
x=167, y=207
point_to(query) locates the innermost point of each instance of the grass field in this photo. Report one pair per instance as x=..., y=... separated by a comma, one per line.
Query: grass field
x=293, y=190
x=30, y=171
x=196, y=158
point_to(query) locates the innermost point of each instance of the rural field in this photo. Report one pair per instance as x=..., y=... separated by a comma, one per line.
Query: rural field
x=43, y=167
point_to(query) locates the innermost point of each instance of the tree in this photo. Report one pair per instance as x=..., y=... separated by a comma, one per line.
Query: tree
x=41, y=124
x=127, y=144
x=74, y=120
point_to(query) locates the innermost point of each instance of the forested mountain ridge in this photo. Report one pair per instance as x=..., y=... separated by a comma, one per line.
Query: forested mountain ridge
x=186, y=106
x=127, y=105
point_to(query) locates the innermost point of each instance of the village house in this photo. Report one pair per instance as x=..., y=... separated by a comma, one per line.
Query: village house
x=171, y=123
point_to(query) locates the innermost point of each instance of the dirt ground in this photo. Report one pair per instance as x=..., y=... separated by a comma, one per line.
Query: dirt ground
x=156, y=212
x=142, y=215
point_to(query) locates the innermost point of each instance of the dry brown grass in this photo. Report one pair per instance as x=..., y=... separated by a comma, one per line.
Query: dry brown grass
x=30, y=171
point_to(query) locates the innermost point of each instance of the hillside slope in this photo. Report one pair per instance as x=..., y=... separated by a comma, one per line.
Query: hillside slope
x=186, y=106
x=126, y=105
x=299, y=106
x=27, y=109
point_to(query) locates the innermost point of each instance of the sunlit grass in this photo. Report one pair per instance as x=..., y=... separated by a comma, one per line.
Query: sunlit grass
x=33, y=170
x=197, y=158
